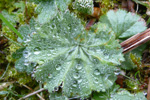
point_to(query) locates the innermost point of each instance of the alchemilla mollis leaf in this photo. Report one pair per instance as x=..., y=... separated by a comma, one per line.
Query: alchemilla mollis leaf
x=123, y=24
x=125, y=95
x=48, y=9
x=67, y=54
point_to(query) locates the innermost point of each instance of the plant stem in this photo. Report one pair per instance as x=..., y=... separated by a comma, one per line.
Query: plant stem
x=4, y=72
x=148, y=91
x=33, y=93
x=135, y=41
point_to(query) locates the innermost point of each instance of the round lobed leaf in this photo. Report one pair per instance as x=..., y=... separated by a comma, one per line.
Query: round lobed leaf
x=67, y=54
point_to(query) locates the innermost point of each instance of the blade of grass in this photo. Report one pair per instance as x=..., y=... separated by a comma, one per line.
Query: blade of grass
x=4, y=72
x=10, y=26
x=141, y=2
x=12, y=41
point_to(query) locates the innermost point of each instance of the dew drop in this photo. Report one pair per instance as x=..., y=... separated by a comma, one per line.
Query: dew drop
x=37, y=49
x=50, y=76
x=41, y=61
x=74, y=84
x=48, y=54
x=76, y=75
x=56, y=89
x=96, y=72
x=28, y=40
x=79, y=81
x=58, y=67
x=96, y=61
x=26, y=64
x=25, y=54
x=78, y=66
x=37, y=52
x=96, y=80
x=33, y=33
x=103, y=90
x=26, y=61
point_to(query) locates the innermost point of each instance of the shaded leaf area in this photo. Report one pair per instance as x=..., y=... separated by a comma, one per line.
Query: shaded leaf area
x=66, y=54
x=133, y=58
x=123, y=24
x=57, y=96
x=125, y=95
x=114, y=93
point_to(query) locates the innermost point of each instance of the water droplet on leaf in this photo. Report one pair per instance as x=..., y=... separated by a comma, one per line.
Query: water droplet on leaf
x=37, y=49
x=78, y=66
x=58, y=67
x=37, y=52
x=96, y=72
x=48, y=54
x=25, y=54
x=56, y=89
x=79, y=81
x=74, y=83
x=76, y=75
x=50, y=76
x=96, y=80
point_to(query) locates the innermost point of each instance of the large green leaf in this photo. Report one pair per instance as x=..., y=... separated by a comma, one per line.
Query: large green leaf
x=123, y=24
x=67, y=54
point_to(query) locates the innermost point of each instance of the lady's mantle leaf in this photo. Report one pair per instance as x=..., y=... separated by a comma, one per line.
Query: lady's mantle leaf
x=69, y=55
x=125, y=95
x=112, y=94
x=123, y=24
x=49, y=8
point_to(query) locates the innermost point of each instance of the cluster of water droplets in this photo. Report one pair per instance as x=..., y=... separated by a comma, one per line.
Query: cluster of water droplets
x=85, y=3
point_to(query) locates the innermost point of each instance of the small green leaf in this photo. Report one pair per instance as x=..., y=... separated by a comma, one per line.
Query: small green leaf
x=123, y=24
x=46, y=10
x=83, y=6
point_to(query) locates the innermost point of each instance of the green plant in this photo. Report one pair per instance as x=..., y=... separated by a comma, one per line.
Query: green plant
x=59, y=51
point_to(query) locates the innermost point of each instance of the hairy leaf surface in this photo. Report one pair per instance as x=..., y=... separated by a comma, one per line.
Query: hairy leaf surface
x=124, y=24
x=125, y=95
x=67, y=54
x=48, y=9
x=83, y=6
x=114, y=93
